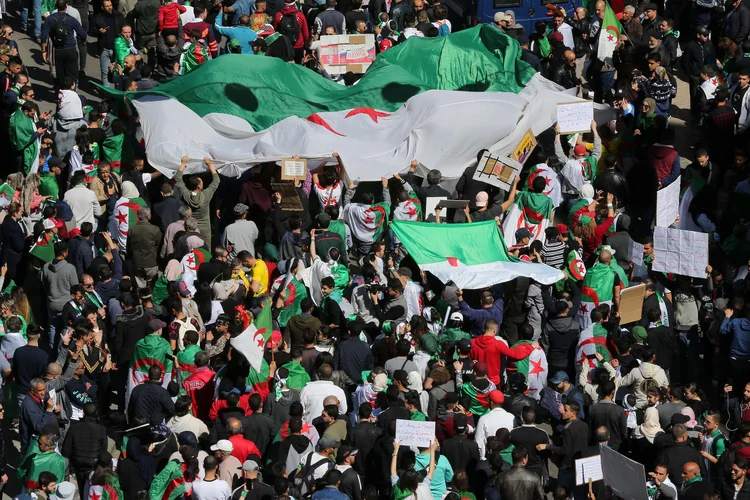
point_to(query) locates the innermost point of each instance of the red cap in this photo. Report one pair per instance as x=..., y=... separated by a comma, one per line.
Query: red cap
x=59, y=224
x=497, y=397
x=480, y=368
x=579, y=150
x=557, y=37
x=562, y=228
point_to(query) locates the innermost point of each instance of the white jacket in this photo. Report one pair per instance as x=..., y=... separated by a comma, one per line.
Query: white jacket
x=636, y=376
x=489, y=424
x=314, y=393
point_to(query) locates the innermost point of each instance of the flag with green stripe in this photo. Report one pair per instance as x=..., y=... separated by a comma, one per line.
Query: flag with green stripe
x=596, y=290
x=293, y=294
x=151, y=350
x=534, y=368
x=44, y=248
x=112, y=151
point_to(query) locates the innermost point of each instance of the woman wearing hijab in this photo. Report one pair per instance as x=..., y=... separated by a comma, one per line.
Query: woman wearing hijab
x=173, y=272
x=644, y=450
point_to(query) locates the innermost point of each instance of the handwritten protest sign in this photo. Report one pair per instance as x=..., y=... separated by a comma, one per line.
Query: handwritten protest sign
x=635, y=252
x=668, y=204
x=575, y=117
x=588, y=468
x=293, y=169
x=414, y=433
x=680, y=252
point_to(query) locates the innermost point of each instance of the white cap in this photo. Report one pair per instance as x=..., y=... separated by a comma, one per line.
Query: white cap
x=223, y=445
x=49, y=224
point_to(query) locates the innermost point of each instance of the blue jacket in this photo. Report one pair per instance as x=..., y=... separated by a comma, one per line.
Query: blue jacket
x=479, y=316
x=330, y=493
x=739, y=329
x=74, y=28
x=34, y=418
x=244, y=34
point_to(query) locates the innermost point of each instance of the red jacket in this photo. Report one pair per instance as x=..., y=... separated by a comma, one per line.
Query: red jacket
x=243, y=448
x=663, y=159
x=200, y=387
x=304, y=32
x=219, y=404
x=169, y=16
x=490, y=349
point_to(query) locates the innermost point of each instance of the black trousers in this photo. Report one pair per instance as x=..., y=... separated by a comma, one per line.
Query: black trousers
x=66, y=64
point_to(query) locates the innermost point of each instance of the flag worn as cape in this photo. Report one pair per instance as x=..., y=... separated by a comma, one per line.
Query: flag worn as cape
x=574, y=266
x=252, y=342
x=609, y=35
x=295, y=292
x=531, y=211
x=298, y=377
x=186, y=359
x=22, y=130
x=366, y=222
x=151, y=350
x=697, y=183
x=553, y=189
x=195, y=55
x=49, y=461
x=480, y=404
x=534, y=368
x=112, y=151
x=105, y=492
x=123, y=218
x=44, y=248
x=169, y=484
x=473, y=256
x=592, y=340
x=190, y=263
x=596, y=290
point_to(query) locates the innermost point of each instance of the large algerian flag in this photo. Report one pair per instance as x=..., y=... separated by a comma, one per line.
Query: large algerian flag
x=295, y=292
x=123, y=218
x=609, y=34
x=151, y=350
x=169, y=483
x=471, y=255
x=112, y=151
x=531, y=211
x=22, y=130
x=592, y=340
x=251, y=343
x=242, y=111
x=44, y=248
x=106, y=492
x=366, y=222
x=553, y=189
x=298, y=377
x=48, y=461
x=190, y=264
x=534, y=368
x=596, y=290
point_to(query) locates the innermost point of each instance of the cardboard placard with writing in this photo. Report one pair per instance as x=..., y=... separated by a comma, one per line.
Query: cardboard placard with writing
x=289, y=197
x=415, y=433
x=575, y=117
x=293, y=169
x=497, y=171
x=631, y=304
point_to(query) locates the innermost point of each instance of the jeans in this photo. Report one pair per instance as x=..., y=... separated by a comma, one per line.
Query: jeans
x=55, y=318
x=66, y=64
x=37, y=5
x=104, y=59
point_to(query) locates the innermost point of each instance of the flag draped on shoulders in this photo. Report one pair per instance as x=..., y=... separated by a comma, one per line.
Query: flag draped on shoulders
x=592, y=340
x=170, y=483
x=123, y=218
x=366, y=222
x=596, y=290
x=574, y=266
x=473, y=256
x=22, y=137
x=44, y=248
x=298, y=377
x=579, y=214
x=190, y=263
x=534, y=367
x=151, y=350
x=186, y=359
x=295, y=292
x=112, y=151
x=48, y=461
x=553, y=188
x=195, y=55
x=531, y=211
x=109, y=491
x=410, y=209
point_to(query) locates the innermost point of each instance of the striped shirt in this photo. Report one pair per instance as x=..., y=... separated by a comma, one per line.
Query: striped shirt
x=553, y=254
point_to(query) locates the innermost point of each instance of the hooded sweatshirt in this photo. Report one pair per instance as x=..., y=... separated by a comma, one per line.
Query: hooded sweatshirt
x=278, y=407
x=304, y=32
x=490, y=350
x=58, y=276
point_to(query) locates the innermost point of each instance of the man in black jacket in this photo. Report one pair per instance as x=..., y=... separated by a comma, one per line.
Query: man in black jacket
x=697, y=53
x=364, y=435
x=694, y=486
x=106, y=26
x=679, y=454
x=663, y=339
x=66, y=52
x=563, y=72
x=461, y=452
x=606, y=413
x=529, y=436
x=259, y=427
x=433, y=188
x=351, y=483
x=737, y=22
x=150, y=400
x=130, y=328
x=84, y=442
x=13, y=239
x=575, y=438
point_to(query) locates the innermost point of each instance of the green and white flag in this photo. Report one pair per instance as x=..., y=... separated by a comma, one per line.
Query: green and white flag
x=596, y=290
x=367, y=222
x=592, y=340
x=535, y=369
x=471, y=255
x=22, y=130
x=44, y=248
x=151, y=350
x=609, y=35
x=531, y=211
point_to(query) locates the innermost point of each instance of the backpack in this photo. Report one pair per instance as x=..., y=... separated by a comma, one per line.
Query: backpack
x=304, y=480
x=294, y=458
x=185, y=326
x=59, y=35
x=647, y=382
x=289, y=26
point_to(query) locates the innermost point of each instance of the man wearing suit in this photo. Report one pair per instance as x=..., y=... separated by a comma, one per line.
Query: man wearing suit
x=13, y=238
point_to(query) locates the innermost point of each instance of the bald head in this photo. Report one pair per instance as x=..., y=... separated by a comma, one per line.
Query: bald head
x=601, y=9
x=690, y=470
x=331, y=400
x=54, y=370
x=234, y=426
x=605, y=257
x=325, y=372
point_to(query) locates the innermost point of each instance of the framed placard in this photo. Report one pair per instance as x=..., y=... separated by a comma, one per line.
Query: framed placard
x=289, y=197
x=524, y=148
x=293, y=169
x=497, y=171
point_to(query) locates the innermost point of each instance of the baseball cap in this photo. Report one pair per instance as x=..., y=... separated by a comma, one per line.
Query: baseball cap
x=522, y=233
x=556, y=37
x=346, y=451
x=65, y=491
x=559, y=378
x=49, y=224
x=55, y=161
x=457, y=316
x=224, y=445
x=183, y=289
x=480, y=368
x=702, y=30
x=650, y=6
x=679, y=418
x=327, y=442
x=459, y=422
x=562, y=229
x=187, y=438
x=266, y=30
x=496, y=397
x=579, y=150
x=250, y=465
x=401, y=376
x=323, y=219
x=464, y=345
x=156, y=324
x=241, y=208
x=500, y=16
x=481, y=199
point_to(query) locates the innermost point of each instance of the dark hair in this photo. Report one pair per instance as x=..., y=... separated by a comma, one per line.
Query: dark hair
x=574, y=406
x=518, y=454
x=61, y=247
x=403, y=347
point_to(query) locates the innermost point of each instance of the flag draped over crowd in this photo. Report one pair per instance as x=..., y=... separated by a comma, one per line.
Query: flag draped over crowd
x=242, y=111
x=471, y=255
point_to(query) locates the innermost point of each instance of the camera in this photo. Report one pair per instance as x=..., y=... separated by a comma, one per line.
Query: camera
x=376, y=287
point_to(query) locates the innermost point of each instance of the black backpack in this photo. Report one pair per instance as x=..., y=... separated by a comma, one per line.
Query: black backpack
x=59, y=35
x=289, y=27
x=304, y=480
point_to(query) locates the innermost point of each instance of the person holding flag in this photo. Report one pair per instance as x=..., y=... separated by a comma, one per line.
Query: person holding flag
x=581, y=168
x=601, y=285
x=605, y=30
x=366, y=220
x=251, y=344
x=533, y=210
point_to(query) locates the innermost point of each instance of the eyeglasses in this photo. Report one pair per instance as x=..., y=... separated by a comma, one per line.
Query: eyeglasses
x=87, y=285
